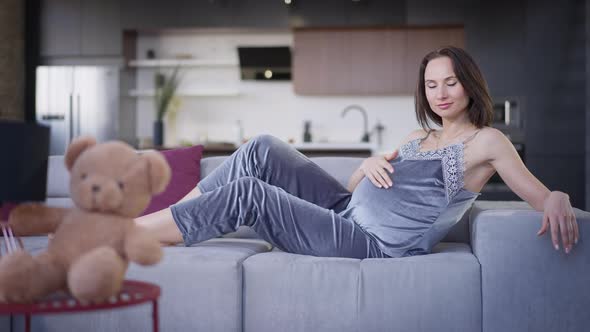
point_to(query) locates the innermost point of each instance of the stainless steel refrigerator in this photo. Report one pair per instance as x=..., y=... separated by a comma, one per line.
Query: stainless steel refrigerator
x=77, y=100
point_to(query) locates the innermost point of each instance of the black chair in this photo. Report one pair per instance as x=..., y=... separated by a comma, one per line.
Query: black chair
x=23, y=170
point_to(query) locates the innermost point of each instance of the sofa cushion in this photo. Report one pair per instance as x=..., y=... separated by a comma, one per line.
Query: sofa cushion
x=436, y=292
x=289, y=292
x=185, y=164
x=201, y=285
x=64, y=202
x=201, y=291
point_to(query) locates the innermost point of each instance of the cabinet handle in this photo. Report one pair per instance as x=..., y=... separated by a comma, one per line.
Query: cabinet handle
x=53, y=117
x=71, y=115
x=507, y=112
x=78, y=115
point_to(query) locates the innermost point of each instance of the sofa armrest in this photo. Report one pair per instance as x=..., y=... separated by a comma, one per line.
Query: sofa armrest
x=526, y=284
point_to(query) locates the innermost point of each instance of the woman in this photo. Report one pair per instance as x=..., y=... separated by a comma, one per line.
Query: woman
x=397, y=205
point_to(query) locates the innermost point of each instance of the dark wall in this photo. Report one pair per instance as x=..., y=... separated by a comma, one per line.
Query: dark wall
x=555, y=91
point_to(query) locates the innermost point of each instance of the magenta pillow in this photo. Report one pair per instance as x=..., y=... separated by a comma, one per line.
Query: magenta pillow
x=5, y=210
x=185, y=164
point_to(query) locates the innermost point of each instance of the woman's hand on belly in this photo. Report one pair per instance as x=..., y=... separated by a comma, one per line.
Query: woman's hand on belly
x=376, y=168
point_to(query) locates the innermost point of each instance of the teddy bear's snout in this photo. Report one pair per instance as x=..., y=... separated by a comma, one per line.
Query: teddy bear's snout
x=106, y=196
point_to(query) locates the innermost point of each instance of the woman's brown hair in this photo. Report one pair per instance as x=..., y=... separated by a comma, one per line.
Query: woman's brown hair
x=479, y=108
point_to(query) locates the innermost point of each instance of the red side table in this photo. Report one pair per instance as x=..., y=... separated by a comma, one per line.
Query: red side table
x=133, y=293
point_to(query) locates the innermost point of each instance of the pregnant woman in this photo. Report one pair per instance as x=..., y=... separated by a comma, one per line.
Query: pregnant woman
x=397, y=205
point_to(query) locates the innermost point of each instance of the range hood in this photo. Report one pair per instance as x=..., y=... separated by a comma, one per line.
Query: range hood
x=266, y=63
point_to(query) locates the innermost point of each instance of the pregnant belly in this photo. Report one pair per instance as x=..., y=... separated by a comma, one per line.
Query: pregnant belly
x=413, y=202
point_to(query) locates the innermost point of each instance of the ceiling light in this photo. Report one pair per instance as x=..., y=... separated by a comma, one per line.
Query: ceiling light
x=268, y=73
x=288, y=2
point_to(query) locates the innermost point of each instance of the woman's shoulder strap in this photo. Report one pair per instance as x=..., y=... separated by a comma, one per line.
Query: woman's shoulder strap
x=427, y=134
x=471, y=137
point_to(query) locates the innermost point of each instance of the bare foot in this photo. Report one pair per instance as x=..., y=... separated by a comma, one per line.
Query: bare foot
x=161, y=225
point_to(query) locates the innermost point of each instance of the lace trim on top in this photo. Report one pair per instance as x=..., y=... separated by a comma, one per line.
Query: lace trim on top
x=452, y=162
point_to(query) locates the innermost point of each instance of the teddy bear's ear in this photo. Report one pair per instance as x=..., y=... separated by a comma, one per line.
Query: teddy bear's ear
x=75, y=148
x=159, y=171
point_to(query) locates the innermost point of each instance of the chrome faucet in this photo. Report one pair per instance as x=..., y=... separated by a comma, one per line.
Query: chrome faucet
x=365, y=137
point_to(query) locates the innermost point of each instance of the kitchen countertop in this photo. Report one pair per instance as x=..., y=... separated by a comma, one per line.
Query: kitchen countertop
x=348, y=146
x=314, y=149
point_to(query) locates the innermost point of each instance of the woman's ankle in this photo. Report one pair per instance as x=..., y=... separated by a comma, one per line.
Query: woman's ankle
x=161, y=226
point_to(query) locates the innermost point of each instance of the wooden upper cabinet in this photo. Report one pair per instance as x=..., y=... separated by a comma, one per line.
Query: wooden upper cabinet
x=348, y=61
x=320, y=62
x=364, y=61
x=421, y=41
x=377, y=61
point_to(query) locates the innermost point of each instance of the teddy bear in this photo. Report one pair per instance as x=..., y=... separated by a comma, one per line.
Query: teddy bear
x=92, y=242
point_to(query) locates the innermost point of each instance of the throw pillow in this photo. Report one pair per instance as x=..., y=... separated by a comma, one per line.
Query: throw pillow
x=185, y=164
x=5, y=209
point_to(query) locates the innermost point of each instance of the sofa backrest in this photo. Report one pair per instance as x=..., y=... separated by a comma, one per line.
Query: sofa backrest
x=58, y=183
x=341, y=168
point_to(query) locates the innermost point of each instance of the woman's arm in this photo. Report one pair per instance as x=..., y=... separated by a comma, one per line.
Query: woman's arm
x=558, y=212
x=507, y=162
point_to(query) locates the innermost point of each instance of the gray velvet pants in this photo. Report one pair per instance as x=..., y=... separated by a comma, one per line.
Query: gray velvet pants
x=286, y=198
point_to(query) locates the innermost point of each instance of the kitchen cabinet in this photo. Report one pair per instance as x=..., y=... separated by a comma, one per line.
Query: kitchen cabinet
x=339, y=62
x=80, y=28
x=364, y=61
x=320, y=62
x=377, y=61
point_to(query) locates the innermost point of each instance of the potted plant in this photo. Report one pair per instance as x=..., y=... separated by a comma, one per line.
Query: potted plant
x=165, y=91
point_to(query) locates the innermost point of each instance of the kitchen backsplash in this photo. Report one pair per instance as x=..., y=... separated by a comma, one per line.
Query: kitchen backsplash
x=213, y=98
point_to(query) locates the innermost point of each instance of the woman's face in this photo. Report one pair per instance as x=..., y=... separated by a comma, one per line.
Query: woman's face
x=444, y=92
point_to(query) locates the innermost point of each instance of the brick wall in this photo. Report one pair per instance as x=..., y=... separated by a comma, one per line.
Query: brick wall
x=12, y=66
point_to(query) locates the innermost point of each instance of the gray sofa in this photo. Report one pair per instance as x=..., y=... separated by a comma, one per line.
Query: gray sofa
x=491, y=273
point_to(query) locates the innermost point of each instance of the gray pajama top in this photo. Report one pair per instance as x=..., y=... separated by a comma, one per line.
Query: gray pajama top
x=427, y=198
